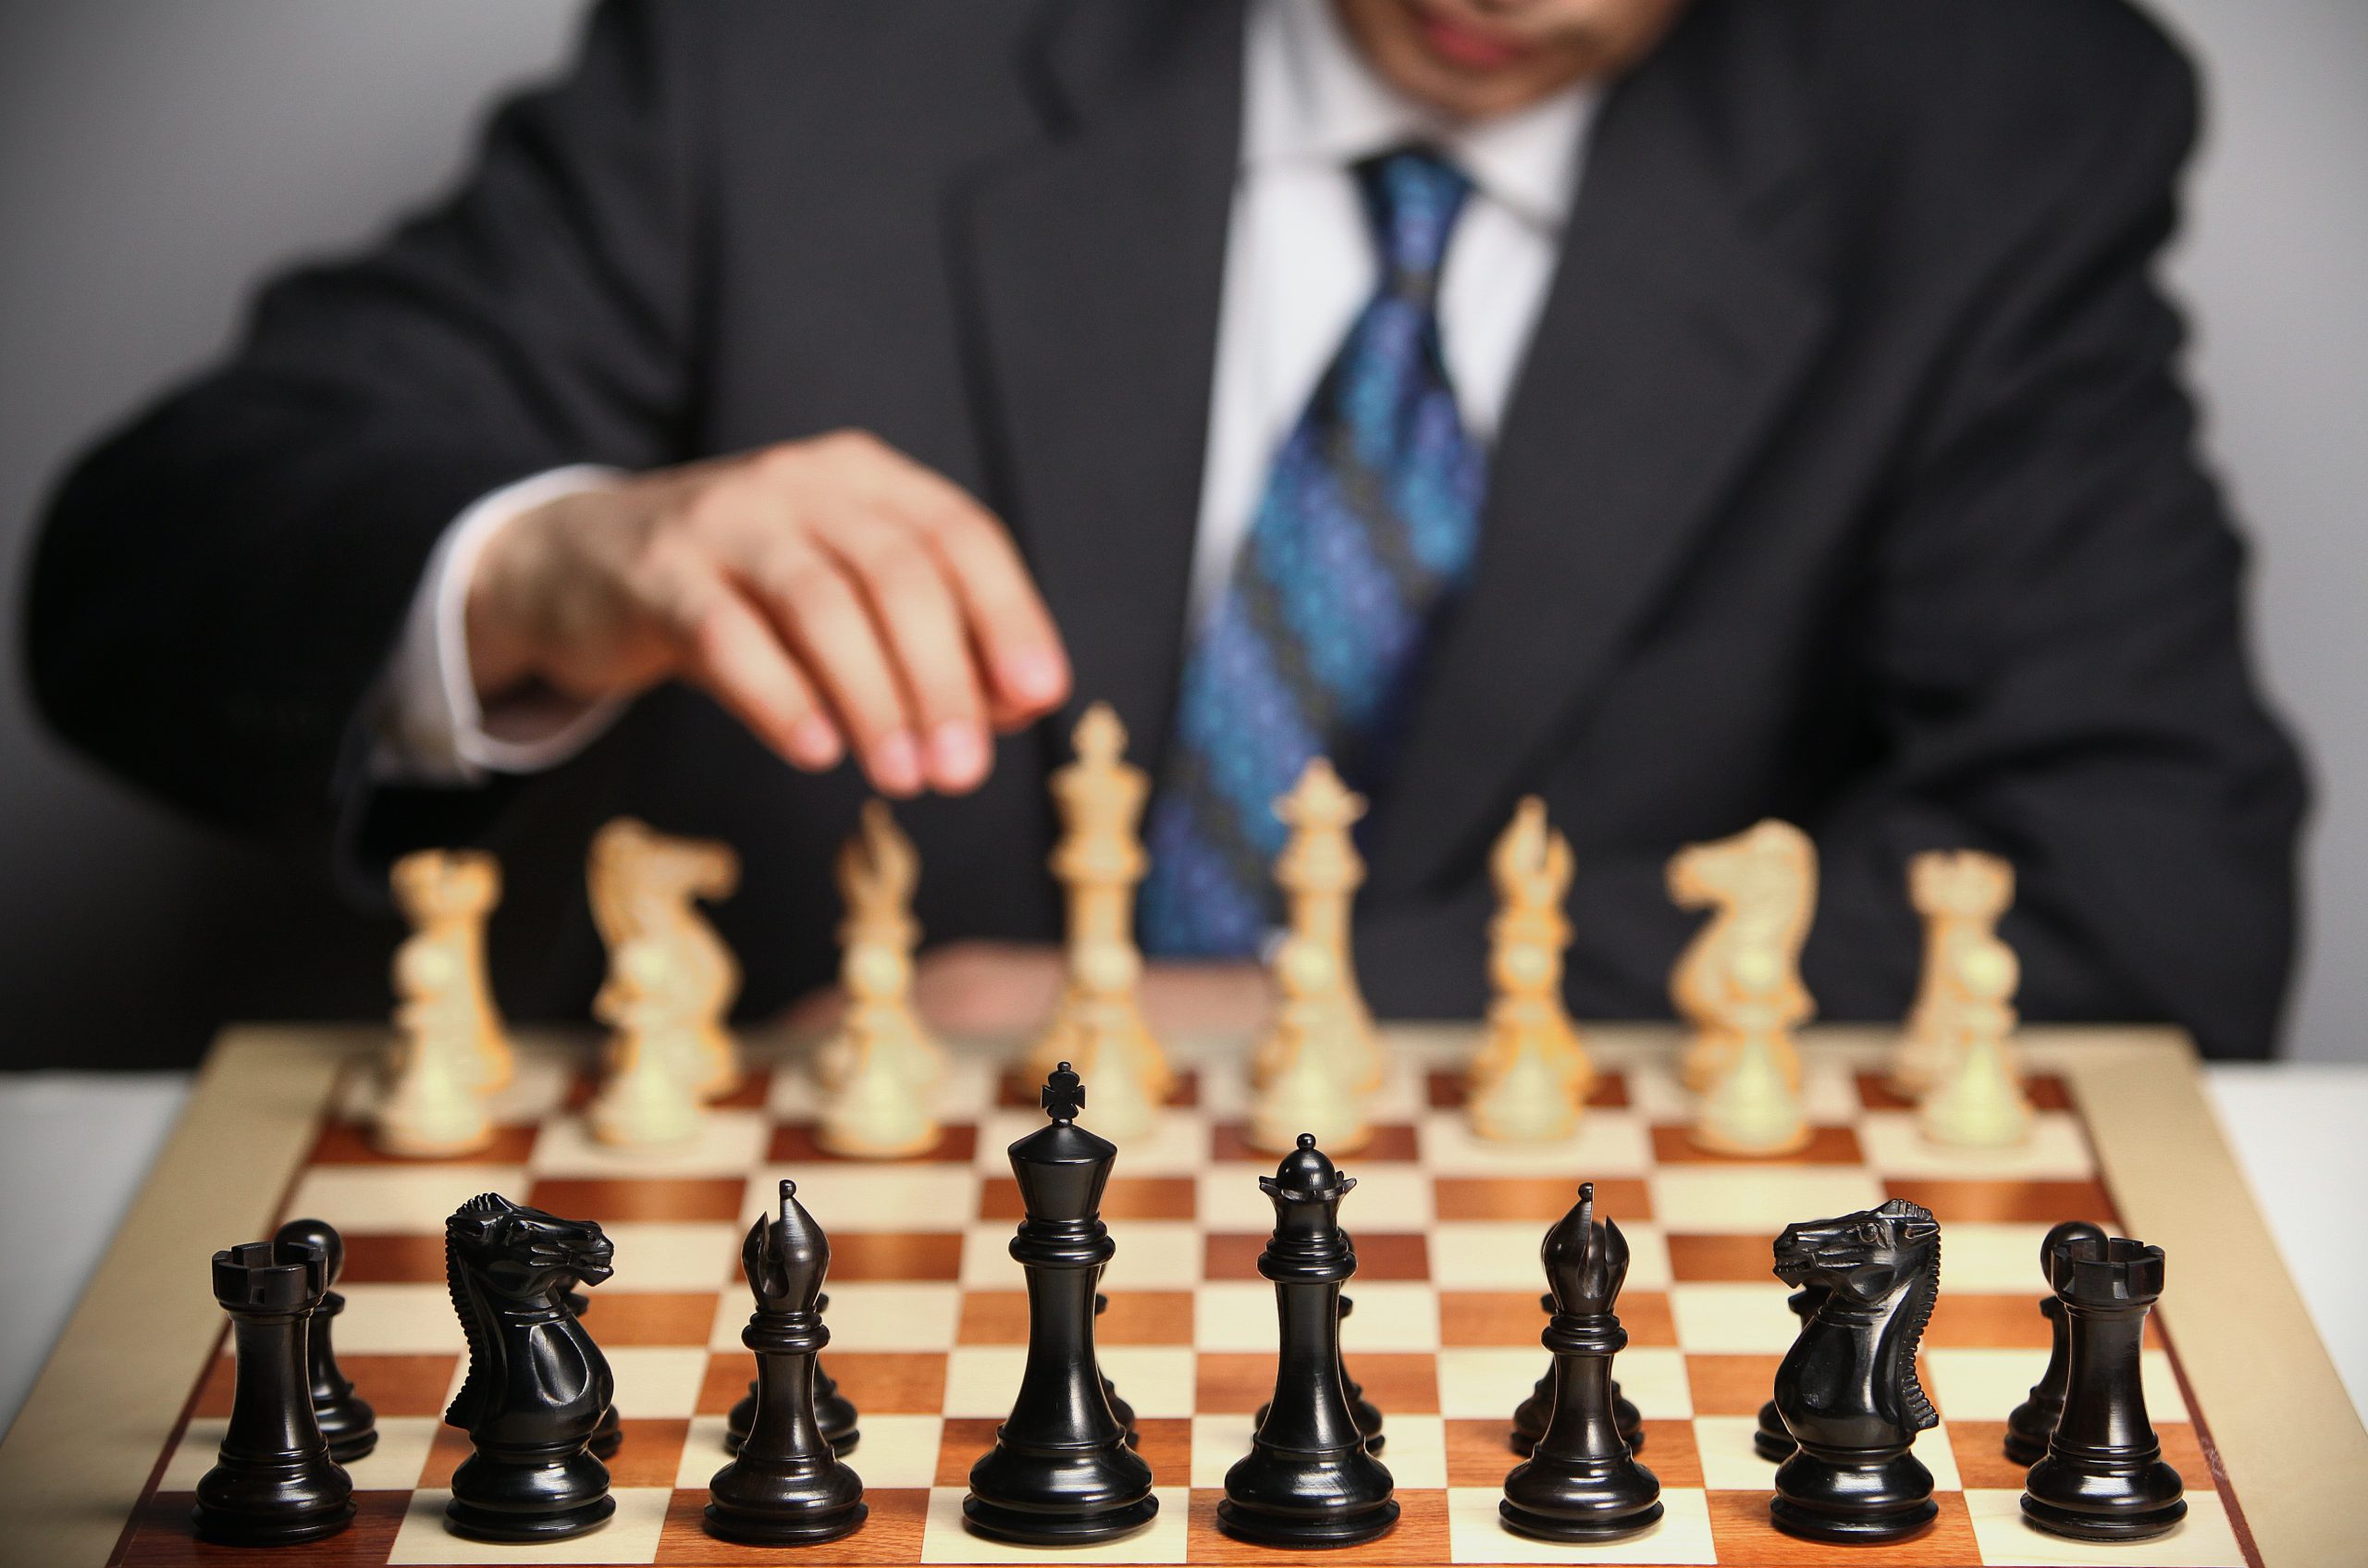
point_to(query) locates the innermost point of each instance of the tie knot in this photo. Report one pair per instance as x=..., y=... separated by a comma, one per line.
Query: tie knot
x=1412, y=197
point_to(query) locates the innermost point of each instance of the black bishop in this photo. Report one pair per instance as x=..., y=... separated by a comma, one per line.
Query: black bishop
x=1581, y=1482
x=785, y=1486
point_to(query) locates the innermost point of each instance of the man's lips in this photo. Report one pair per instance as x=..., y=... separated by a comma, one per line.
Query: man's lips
x=1465, y=46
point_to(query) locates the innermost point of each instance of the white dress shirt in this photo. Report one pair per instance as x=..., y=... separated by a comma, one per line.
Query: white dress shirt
x=1300, y=264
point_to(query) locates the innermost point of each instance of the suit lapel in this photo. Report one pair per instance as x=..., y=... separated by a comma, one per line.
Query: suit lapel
x=1090, y=267
x=1670, y=337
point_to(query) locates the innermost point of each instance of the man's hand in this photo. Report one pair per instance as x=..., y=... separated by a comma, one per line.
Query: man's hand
x=832, y=593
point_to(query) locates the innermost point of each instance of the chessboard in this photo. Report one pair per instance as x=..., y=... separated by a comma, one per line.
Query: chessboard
x=929, y=1323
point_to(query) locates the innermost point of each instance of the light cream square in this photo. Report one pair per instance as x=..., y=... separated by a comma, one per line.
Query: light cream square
x=1414, y=1447
x=1715, y=1199
x=846, y=1197
x=1992, y=1259
x=2203, y=1539
x=1218, y=1442
x=1485, y=1383
x=2055, y=1151
x=630, y=1536
x=727, y=1143
x=1153, y=1254
x=1236, y=1316
x=1986, y=1385
x=661, y=1382
x=1734, y=1319
x=980, y=1380
x=886, y=1314
x=373, y=1200
x=1471, y=1254
x=1606, y=1142
x=675, y=1255
x=1390, y=1314
x=1176, y=1143
x=944, y=1540
x=1729, y=1462
x=1156, y=1380
x=398, y=1319
x=1477, y=1534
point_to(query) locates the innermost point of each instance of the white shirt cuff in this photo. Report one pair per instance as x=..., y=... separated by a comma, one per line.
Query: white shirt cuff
x=431, y=727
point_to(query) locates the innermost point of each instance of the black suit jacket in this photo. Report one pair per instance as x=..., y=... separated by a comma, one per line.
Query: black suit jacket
x=1847, y=479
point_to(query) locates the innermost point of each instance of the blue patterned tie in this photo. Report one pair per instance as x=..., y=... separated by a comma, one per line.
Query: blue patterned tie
x=1368, y=521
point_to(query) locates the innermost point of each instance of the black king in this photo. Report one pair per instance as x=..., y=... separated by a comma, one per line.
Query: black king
x=1061, y=1473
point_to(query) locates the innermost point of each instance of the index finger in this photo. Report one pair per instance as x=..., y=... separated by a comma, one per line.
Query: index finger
x=1026, y=667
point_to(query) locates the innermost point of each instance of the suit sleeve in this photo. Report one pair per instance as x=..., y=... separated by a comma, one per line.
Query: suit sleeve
x=2055, y=641
x=219, y=584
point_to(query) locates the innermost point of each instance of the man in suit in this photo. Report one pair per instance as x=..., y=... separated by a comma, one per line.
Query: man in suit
x=1689, y=414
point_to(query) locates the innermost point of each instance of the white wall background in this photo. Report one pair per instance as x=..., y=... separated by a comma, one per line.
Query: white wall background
x=157, y=158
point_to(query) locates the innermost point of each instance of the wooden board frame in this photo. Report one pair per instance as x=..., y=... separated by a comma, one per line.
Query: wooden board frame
x=88, y=1440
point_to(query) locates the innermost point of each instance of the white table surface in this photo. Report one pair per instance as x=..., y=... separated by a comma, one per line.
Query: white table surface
x=75, y=1147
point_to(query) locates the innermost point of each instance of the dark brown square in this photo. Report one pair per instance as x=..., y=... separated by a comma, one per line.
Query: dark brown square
x=1419, y=1537
x=1540, y=1200
x=629, y=1200
x=793, y=1143
x=1390, y=1141
x=160, y=1537
x=1127, y=1197
x=348, y=1142
x=1742, y=1533
x=1446, y=1091
x=1381, y=1254
x=2005, y=1202
x=1237, y=1382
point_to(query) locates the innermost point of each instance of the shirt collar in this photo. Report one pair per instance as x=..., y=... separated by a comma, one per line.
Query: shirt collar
x=1311, y=99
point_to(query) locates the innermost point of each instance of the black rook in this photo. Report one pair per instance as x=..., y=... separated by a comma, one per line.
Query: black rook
x=2103, y=1478
x=275, y=1484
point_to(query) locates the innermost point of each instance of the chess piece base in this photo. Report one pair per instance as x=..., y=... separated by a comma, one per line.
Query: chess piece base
x=1022, y=1528
x=1811, y=1527
x=2092, y=1527
x=750, y=1530
x=1554, y=1527
x=528, y=1502
x=1848, y=1499
x=222, y=1526
x=2129, y=1503
x=476, y=1524
x=1262, y=1528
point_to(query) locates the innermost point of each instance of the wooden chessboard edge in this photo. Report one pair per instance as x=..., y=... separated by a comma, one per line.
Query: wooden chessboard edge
x=84, y=1448
x=2288, y=1436
x=89, y=1440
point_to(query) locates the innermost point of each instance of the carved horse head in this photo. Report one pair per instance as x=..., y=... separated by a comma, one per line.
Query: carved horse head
x=1770, y=864
x=1882, y=1270
x=507, y=1264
